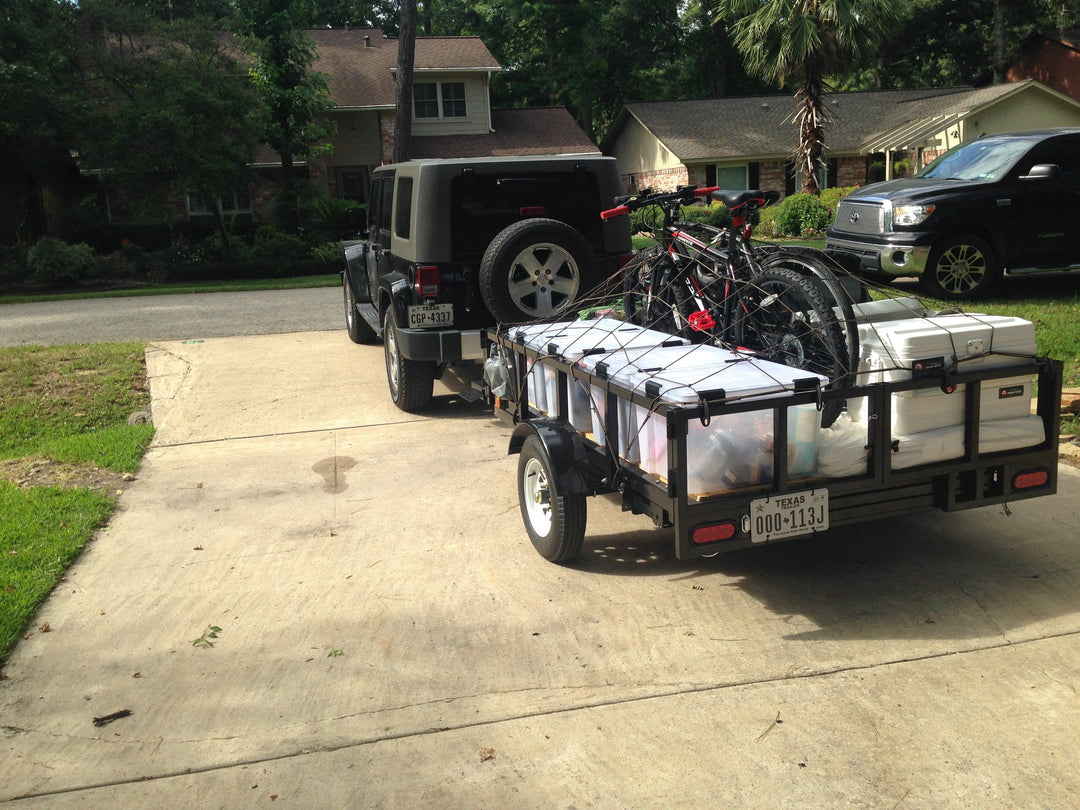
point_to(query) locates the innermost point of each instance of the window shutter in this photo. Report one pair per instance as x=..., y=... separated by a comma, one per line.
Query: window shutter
x=753, y=176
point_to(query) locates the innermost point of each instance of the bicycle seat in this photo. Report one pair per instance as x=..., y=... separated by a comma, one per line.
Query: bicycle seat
x=736, y=199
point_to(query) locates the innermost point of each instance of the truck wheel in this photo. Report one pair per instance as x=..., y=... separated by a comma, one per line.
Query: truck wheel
x=555, y=523
x=961, y=267
x=358, y=329
x=411, y=381
x=534, y=268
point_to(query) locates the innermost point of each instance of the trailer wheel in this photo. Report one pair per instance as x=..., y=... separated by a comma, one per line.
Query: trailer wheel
x=555, y=523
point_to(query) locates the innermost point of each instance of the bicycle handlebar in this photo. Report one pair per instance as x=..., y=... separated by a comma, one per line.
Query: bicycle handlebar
x=633, y=202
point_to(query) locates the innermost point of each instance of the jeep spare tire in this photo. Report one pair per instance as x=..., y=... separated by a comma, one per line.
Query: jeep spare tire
x=535, y=268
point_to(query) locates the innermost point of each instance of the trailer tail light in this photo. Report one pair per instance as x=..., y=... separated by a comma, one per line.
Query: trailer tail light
x=427, y=282
x=1031, y=479
x=713, y=533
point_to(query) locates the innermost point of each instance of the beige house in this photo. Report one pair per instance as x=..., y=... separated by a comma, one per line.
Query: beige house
x=748, y=142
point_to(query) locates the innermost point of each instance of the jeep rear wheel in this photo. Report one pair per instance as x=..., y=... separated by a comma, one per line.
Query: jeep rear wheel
x=411, y=381
x=961, y=267
x=535, y=268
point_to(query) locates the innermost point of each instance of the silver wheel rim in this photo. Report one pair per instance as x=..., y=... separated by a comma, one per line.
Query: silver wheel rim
x=392, y=370
x=961, y=269
x=543, y=279
x=537, y=497
x=350, y=307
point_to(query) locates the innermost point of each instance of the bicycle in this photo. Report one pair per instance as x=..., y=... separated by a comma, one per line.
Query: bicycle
x=714, y=284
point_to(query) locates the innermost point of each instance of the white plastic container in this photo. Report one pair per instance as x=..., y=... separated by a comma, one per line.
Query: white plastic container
x=947, y=443
x=572, y=340
x=733, y=449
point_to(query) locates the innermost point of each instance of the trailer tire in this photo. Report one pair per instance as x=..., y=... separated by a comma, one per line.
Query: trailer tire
x=555, y=523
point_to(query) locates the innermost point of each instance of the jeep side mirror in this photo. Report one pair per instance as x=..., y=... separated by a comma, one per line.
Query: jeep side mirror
x=356, y=219
x=1042, y=171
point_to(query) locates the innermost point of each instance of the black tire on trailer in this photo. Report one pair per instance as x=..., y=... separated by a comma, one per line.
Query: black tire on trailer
x=961, y=267
x=831, y=290
x=535, y=268
x=555, y=523
x=411, y=382
x=787, y=321
x=359, y=330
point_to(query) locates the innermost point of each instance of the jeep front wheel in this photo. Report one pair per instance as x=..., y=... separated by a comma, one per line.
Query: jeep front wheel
x=535, y=268
x=412, y=382
x=355, y=325
x=961, y=267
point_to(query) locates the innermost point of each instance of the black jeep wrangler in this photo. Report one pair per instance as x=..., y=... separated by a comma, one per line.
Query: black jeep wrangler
x=453, y=247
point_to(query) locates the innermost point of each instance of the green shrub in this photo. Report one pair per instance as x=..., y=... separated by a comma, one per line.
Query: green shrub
x=12, y=264
x=714, y=214
x=830, y=198
x=326, y=253
x=277, y=251
x=802, y=215
x=51, y=260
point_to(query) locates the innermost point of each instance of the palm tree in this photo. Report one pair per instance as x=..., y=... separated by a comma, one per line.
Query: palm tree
x=803, y=43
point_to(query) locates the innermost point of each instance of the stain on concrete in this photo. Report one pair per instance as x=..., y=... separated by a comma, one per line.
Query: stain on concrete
x=333, y=470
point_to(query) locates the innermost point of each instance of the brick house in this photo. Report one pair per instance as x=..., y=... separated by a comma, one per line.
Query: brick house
x=452, y=115
x=748, y=142
x=1052, y=58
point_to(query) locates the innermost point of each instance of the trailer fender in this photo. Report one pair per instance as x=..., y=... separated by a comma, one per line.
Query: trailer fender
x=564, y=448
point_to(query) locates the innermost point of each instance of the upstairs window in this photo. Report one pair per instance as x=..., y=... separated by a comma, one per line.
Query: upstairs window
x=434, y=100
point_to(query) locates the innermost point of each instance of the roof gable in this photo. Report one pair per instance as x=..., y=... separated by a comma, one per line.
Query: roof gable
x=360, y=62
x=764, y=126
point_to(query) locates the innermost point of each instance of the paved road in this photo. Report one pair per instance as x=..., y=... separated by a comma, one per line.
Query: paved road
x=171, y=317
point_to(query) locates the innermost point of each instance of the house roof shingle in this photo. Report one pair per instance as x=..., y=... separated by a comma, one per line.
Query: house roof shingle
x=764, y=126
x=534, y=131
x=361, y=62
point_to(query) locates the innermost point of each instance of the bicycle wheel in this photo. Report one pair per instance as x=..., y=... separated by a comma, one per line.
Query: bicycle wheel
x=650, y=293
x=784, y=318
x=832, y=292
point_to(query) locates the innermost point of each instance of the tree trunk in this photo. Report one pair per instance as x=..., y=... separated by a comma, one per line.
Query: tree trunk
x=219, y=215
x=718, y=71
x=404, y=97
x=811, y=120
x=999, y=42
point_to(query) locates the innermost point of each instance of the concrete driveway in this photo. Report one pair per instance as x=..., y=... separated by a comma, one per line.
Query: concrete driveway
x=389, y=638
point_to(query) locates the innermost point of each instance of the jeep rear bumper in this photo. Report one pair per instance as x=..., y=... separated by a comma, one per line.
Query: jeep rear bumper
x=440, y=345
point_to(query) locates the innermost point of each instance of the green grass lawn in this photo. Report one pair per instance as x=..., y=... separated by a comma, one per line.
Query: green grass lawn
x=63, y=420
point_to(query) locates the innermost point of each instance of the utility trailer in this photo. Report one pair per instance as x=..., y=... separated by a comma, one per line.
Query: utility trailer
x=857, y=471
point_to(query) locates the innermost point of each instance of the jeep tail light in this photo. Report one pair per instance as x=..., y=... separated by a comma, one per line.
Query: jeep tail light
x=533, y=211
x=427, y=282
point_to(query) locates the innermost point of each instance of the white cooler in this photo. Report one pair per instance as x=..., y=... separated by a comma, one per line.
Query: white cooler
x=897, y=350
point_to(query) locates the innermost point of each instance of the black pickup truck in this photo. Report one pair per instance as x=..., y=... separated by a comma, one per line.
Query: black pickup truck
x=1002, y=203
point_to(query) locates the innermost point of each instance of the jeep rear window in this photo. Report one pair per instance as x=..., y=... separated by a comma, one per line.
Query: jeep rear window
x=403, y=208
x=482, y=205
x=984, y=160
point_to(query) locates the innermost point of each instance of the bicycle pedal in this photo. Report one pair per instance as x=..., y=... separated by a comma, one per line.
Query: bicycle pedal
x=701, y=321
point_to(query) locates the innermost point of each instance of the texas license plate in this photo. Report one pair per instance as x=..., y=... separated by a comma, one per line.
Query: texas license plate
x=431, y=315
x=789, y=515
